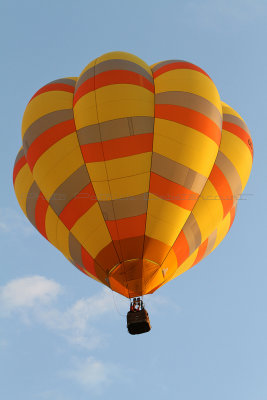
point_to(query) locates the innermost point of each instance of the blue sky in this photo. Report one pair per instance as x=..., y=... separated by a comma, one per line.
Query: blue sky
x=62, y=336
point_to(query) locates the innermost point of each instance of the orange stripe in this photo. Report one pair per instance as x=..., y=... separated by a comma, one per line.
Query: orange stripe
x=78, y=206
x=132, y=226
x=47, y=139
x=201, y=252
x=60, y=87
x=232, y=216
x=178, y=65
x=127, y=227
x=113, y=77
x=241, y=133
x=173, y=192
x=181, y=248
x=18, y=166
x=88, y=262
x=117, y=148
x=192, y=119
x=40, y=214
x=222, y=187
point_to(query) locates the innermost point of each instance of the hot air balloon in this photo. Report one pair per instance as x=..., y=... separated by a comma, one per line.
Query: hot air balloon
x=132, y=172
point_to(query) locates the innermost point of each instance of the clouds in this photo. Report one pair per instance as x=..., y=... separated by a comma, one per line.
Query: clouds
x=78, y=323
x=40, y=302
x=35, y=300
x=28, y=292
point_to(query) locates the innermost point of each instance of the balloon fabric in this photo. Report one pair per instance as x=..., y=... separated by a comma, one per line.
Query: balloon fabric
x=132, y=172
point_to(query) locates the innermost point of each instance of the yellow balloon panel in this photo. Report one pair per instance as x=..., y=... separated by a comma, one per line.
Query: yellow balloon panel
x=182, y=144
x=190, y=81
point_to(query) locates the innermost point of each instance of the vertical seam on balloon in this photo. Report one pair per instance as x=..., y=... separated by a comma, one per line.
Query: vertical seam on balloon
x=191, y=213
x=90, y=181
x=149, y=172
x=109, y=190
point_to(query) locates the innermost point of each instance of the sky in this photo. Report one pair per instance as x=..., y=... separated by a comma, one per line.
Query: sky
x=62, y=335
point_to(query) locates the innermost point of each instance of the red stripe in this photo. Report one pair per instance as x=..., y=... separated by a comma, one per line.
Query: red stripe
x=78, y=206
x=122, y=77
x=239, y=132
x=60, y=87
x=117, y=148
x=40, y=214
x=92, y=152
x=113, y=230
x=128, y=146
x=127, y=227
x=18, y=166
x=181, y=248
x=222, y=187
x=47, y=139
x=88, y=262
x=173, y=192
x=113, y=77
x=192, y=119
x=86, y=87
x=178, y=65
x=201, y=252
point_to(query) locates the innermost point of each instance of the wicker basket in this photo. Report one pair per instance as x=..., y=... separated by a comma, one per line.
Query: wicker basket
x=138, y=322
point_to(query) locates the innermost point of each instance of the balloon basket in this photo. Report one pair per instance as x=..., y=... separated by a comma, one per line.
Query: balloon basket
x=138, y=322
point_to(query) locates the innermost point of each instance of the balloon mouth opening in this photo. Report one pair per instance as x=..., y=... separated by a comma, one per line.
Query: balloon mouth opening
x=135, y=277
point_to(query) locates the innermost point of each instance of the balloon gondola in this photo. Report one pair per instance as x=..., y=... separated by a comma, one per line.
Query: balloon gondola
x=137, y=318
x=132, y=172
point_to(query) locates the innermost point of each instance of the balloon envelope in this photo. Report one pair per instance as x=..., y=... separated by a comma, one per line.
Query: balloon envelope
x=133, y=172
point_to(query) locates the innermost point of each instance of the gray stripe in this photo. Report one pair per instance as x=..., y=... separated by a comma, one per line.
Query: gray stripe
x=44, y=123
x=19, y=155
x=115, y=129
x=230, y=173
x=69, y=189
x=235, y=120
x=191, y=101
x=192, y=233
x=163, y=63
x=89, y=134
x=31, y=201
x=177, y=173
x=75, y=250
x=112, y=65
x=124, y=208
x=107, y=210
x=142, y=125
x=66, y=81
